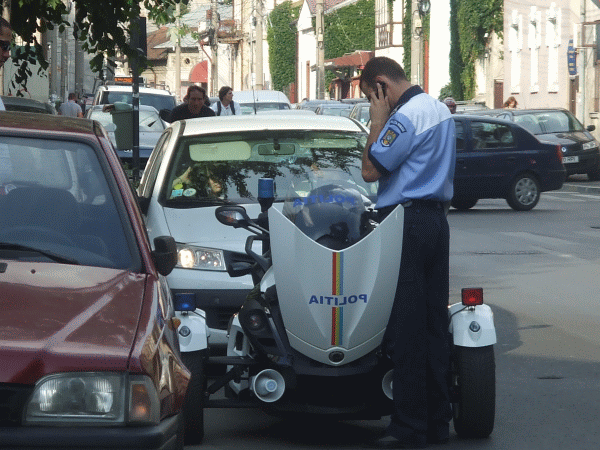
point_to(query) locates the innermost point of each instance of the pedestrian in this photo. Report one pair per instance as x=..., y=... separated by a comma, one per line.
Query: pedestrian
x=71, y=108
x=226, y=106
x=451, y=104
x=194, y=107
x=6, y=39
x=411, y=151
x=510, y=103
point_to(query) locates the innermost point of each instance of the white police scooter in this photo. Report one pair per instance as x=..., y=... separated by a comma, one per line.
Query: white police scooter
x=308, y=338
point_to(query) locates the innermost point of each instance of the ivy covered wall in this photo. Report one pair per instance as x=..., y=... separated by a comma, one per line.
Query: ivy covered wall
x=472, y=22
x=281, y=37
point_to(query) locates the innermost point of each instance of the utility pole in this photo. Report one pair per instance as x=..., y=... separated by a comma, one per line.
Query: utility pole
x=320, y=50
x=420, y=8
x=215, y=49
x=64, y=65
x=79, y=66
x=178, y=53
x=258, y=82
x=55, y=80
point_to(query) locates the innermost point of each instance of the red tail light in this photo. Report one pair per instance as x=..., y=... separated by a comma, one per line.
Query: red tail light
x=559, y=153
x=472, y=296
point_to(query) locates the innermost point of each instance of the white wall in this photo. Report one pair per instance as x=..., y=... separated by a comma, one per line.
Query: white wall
x=439, y=47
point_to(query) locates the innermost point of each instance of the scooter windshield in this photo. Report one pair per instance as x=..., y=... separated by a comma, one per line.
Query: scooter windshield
x=329, y=207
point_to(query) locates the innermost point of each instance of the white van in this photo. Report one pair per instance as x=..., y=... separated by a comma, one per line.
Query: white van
x=254, y=101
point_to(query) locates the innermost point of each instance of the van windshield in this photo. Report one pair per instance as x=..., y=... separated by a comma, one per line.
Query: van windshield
x=159, y=102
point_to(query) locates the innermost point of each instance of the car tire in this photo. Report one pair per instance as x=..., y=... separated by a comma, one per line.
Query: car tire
x=524, y=192
x=193, y=406
x=463, y=204
x=594, y=175
x=473, y=391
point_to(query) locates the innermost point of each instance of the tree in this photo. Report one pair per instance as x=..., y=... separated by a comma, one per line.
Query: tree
x=103, y=27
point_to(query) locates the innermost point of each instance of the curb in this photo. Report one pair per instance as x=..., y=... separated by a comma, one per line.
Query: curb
x=578, y=188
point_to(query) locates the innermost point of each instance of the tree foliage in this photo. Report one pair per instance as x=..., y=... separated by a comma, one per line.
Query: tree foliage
x=281, y=36
x=103, y=27
x=476, y=20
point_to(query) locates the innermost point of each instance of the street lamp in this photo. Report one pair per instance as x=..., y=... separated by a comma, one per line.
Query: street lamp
x=424, y=7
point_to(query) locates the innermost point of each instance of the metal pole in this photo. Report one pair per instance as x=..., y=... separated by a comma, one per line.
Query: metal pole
x=258, y=83
x=415, y=44
x=319, y=22
x=178, y=54
x=215, y=49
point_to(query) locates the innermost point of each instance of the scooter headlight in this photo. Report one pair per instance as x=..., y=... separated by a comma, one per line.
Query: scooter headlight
x=200, y=258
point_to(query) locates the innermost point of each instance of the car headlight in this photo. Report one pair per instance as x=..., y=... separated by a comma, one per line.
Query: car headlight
x=591, y=144
x=200, y=258
x=94, y=398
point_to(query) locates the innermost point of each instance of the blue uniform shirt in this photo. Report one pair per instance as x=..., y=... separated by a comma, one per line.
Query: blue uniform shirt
x=416, y=151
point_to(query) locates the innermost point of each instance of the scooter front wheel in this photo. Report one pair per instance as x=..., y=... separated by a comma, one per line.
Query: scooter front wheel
x=193, y=407
x=473, y=391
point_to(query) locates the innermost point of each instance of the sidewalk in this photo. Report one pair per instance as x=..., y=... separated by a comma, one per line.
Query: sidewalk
x=590, y=187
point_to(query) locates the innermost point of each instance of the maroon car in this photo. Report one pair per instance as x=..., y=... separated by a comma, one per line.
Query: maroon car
x=89, y=356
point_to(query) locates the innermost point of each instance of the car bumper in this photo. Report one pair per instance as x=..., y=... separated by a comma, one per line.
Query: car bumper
x=586, y=163
x=553, y=180
x=162, y=436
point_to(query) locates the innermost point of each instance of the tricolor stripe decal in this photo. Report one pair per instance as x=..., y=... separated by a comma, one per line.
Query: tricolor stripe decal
x=337, y=320
x=337, y=274
x=337, y=288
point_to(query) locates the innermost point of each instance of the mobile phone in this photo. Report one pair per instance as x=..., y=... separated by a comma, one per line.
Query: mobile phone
x=383, y=89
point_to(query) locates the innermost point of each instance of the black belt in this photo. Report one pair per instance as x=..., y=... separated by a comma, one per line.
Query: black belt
x=423, y=203
x=383, y=212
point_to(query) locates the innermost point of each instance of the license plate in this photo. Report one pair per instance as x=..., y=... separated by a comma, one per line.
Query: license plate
x=570, y=159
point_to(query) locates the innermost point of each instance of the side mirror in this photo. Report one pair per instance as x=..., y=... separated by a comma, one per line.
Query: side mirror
x=164, y=254
x=233, y=216
x=591, y=127
x=165, y=114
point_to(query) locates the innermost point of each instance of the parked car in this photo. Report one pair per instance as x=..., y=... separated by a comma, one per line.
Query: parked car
x=151, y=127
x=24, y=104
x=314, y=104
x=88, y=351
x=253, y=101
x=556, y=125
x=161, y=99
x=361, y=112
x=496, y=158
x=201, y=164
x=339, y=109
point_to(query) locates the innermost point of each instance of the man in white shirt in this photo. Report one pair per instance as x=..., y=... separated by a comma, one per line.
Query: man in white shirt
x=71, y=108
x=226, y=106
x=5, y=44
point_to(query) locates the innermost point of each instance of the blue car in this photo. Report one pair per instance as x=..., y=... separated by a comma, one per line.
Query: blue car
x=497, y=158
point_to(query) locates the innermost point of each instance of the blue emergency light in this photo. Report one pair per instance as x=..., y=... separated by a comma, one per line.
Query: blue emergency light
x=185, y=301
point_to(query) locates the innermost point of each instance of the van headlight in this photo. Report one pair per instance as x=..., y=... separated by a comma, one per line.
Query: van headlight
x=200, y=258
x=94, y=398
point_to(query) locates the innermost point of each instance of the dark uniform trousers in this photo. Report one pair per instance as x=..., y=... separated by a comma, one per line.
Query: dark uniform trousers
x=416, y=338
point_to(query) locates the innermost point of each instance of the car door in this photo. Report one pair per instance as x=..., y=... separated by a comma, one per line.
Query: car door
x=489, y=160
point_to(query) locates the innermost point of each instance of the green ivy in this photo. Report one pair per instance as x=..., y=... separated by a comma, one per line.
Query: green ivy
x=474, y=19
x=407, y=38
x=350, y=28
x=281, y=36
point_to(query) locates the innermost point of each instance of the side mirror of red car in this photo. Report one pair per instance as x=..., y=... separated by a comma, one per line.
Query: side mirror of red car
x=164, y=254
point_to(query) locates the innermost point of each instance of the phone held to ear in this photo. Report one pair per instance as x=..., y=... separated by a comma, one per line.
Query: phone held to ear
x=383, y=89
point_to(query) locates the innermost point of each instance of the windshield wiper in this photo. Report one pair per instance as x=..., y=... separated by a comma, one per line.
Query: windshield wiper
x=53, y=256
x=204, y=201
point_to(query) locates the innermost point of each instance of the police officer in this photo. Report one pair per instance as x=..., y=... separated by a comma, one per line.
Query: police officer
x=411, y=151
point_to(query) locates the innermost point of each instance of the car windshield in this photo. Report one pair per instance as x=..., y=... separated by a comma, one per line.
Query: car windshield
x=55, y=200
x=158, y=102
x=548, y=122
x=208, y=170
x=149, y=120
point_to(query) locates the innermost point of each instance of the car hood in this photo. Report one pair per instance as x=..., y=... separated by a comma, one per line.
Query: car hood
x=58, y=318
x=575, y=137
x=199, y=226
x=148, y=139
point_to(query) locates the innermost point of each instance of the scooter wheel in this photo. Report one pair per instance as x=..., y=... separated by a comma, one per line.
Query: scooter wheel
x=193, y=407
x=474, y=387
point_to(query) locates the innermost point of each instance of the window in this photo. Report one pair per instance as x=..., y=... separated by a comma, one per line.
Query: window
x=491, y=135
